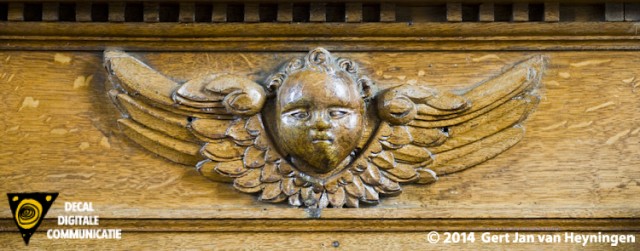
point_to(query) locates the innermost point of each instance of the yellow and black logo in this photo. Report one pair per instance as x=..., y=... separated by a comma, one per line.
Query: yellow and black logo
x=29, y=209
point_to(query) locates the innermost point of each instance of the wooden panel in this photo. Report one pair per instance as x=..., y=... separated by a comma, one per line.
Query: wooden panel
x=575, y=170
x=580, y=143
x=304, y=241
x=353, y=225
x=463, y=36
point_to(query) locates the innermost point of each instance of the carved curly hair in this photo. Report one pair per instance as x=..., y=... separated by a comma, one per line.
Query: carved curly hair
x=320, y=60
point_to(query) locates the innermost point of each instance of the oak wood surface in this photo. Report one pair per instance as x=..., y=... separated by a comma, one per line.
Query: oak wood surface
x=280, y=240
x=578, y=158
x=352, y=225
x=455, y=36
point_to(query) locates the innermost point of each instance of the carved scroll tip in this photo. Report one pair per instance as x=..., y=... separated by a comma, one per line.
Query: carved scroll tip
x=537, y=61
x=110, y=54
x=114, y=53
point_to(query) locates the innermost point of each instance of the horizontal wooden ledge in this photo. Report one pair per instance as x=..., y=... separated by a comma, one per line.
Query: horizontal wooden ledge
x=266, y=45
x=303, y=36
x=487, y=30
x=341, y=225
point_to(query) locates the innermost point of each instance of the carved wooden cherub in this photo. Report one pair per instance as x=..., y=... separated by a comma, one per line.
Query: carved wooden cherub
x=319, y=113
x=318, y=133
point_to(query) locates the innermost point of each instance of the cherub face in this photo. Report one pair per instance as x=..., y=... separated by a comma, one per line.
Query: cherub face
x=320, y=118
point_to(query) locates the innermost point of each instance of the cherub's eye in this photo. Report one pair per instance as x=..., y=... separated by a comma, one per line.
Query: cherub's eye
x=300, y=115
x=336, y=114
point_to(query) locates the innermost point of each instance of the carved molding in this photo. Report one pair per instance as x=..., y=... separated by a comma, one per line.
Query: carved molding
x=318, y=133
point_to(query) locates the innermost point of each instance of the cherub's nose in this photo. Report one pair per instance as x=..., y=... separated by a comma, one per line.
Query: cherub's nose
x=321, y=121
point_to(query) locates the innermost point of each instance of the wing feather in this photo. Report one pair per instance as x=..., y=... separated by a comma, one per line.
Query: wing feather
x=487, y=95
x=476, y=152
x=503, y=117
x=136, y=77
x=223, y=150
x=176, y=150
x=160, y=120
x=208, y=130
x=426, y=132
x=210, y=170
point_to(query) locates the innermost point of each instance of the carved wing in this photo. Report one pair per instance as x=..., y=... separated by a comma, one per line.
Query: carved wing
x=212, y=122
x=426, y=132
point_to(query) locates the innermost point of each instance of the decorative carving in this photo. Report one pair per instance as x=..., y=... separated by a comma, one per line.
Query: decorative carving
x=318, y=133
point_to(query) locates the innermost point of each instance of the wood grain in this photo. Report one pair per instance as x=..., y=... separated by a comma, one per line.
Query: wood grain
x=353, y=12
x=285, y=12
x=577, y=160
x=116, y=12
x=486, y=12
x=520, y=12
x=454, y=12
x=352, y=225
x=278, y=240
x=50, y=12
x=15, y=12
x=460, y=36
x=552, y=12
x=187, y=12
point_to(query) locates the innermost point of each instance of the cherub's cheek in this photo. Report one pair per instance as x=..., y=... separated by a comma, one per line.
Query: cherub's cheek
x=350, y=122
x=299, y=130
x=292, y=123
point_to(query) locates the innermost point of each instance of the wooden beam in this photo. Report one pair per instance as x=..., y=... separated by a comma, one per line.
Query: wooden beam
x=520, y=12
x=50, y=12
x=631, y=12
x=318, y=12
x=387, y=12
x=614, y=12
x=285, y=12
x=251, y=13
x=83, y=12
x=116, y=12
x=15, y=12
x=353, y=12
x=187, y=13
x=454, y=12
x=219, y=12
x=551, y=12
x=151, y=12
x=486, y=13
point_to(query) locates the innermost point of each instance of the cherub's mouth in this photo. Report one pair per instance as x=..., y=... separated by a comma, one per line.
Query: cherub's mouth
x=316, y=141
x=321, y=138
